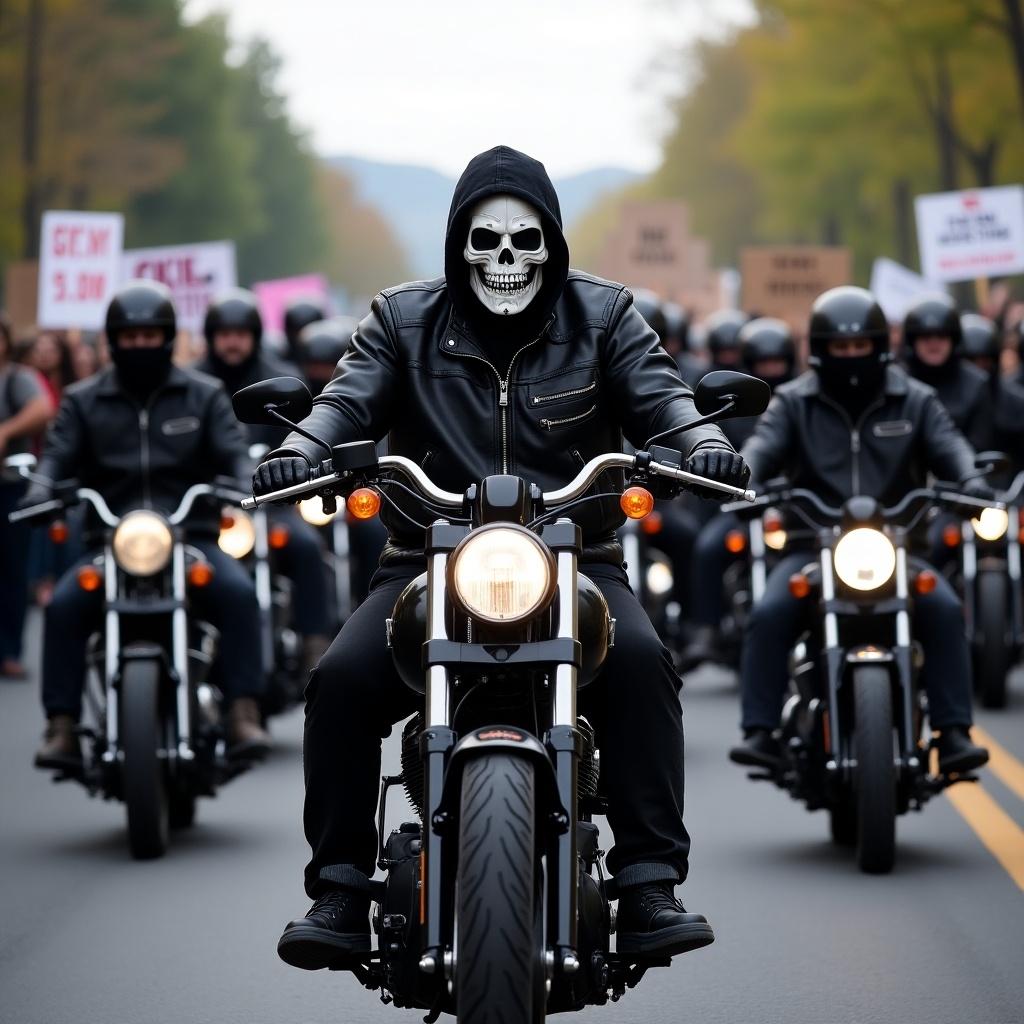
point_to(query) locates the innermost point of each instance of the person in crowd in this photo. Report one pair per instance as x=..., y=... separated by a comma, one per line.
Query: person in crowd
x=300, y=312
x=505, y=365
x=678, y=343
x=932, y=336
x=25, y=410
x=49, y=353
x=722, y=339
x=233, y=328
x=857, y=424
x=141, y=432
x=768, y=351
x=85, y=359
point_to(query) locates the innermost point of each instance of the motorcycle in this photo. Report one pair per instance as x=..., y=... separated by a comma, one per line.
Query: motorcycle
x=496, y=896
x=153, y=723
x=853, y=729
x=651, y=577
x=988, y=577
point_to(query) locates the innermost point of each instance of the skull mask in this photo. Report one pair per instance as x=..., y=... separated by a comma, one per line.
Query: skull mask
x=505, y=251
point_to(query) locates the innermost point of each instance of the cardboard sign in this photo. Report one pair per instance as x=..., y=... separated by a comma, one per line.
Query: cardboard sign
x=977, y=233
x=784, y=280
x=194, y=273
x=897, y=288
x=274, y=296
x=79, y=267
x=21, y=294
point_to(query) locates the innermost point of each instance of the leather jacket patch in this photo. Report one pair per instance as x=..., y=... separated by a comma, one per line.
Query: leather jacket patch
x=184, y=425
x=892, y=428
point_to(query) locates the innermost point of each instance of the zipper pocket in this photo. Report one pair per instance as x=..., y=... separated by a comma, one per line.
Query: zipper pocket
x=541, y=399
x=551, y=424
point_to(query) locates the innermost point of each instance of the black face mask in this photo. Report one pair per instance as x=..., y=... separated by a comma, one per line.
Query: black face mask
x=854, y=381
x=141, y=370
x=932, y=375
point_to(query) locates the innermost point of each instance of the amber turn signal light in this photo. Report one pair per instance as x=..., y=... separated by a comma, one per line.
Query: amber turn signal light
x=200, y=574
x=277, y=536
x=799, y=585
x=926, y=581
x=652, y=524
x=227, y=520
x=363, y=503
x=735, y=542
x=951, y=535
x=58, y=532
x=89, y=578
x=636, y=502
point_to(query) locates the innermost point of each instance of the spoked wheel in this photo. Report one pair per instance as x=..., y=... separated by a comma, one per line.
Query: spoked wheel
x=876, y=769
x=991, y=651
x=145, y=783
x=499, y=973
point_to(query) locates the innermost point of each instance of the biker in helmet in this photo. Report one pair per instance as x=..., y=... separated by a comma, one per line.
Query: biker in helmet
x=299, y=313
x=141, y=432
x=320, y=345
x=856, y=424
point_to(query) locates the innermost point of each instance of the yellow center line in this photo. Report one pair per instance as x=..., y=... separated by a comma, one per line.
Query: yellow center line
x=1001, y=763
x=1000, y=834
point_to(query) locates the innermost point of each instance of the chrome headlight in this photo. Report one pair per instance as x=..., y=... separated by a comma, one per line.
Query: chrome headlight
x=864, y=558
x=142, y=543
x=237, y=533
x=502, y=574
x=659, y=578
x=312, y=510
x=991, y=524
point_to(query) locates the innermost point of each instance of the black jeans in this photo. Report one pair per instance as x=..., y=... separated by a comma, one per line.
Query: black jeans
x=711, y=559
x=14, y=553
x=301, y=560
x=355, y=696
x=229, y=600
x=778, y=618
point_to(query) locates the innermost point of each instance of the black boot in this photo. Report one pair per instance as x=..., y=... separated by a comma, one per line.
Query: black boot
x=651, y=921
x=759, y=749
x=703, y=647
x=336, y=928
x=957, y=754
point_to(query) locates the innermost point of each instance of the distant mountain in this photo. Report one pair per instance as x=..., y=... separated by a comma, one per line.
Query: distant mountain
x=415, y=200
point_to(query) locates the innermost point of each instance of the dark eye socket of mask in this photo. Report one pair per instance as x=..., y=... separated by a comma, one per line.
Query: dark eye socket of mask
x=483, y=238
x=527, y=240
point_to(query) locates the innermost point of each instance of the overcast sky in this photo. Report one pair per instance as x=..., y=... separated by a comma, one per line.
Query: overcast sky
x=576, y=83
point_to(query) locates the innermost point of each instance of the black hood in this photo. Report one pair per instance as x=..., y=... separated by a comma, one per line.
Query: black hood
x=505, y=170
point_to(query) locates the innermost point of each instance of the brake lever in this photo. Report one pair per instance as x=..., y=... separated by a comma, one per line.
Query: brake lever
x=683, y=476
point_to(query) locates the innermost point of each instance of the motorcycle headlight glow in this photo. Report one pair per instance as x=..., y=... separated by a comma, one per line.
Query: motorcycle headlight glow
x=502, y=574
x=864, y=558
x=991, y=524
x=659, y=578
x=312, y=510
x=142, y=543
x=237, y=534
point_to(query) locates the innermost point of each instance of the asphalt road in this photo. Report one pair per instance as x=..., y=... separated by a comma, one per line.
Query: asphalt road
x=87, y=936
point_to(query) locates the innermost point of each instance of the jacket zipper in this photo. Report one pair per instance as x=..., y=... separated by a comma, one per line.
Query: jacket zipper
x=503, y=384
x=540, y=399
x=548, y=424
x=855, y=429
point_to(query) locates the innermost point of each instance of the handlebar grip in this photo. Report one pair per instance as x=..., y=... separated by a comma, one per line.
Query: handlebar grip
x=693, y=479
x=35, y=510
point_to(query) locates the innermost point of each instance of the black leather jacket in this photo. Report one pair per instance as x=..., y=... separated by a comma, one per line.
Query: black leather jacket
x=963, y=389
x=146, y=455
x=901, y=436
x=415, y=372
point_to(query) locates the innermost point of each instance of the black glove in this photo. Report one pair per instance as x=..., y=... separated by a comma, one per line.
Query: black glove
x=976, y=487
x=719, y=464
x=276, y=474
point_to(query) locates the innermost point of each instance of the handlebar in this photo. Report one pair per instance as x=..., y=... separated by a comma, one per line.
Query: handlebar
x=450, y=499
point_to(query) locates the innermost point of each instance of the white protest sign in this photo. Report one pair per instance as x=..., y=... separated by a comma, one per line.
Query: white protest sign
x=79, y=267
x=194, y=273
x=977, y=233
x=897, y=287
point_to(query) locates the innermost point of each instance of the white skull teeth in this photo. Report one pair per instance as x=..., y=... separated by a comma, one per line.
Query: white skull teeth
x=505, y=283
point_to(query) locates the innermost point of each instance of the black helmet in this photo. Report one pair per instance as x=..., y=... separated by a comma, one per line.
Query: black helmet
x=723, y=331
x=649, y=306
x=141, y=304
x=767, y=338
x=677, y=320
x=325, y=341
x=298, y=313
x=935, y=314
x=236, y=309
x=849, y=312
x=980, y=338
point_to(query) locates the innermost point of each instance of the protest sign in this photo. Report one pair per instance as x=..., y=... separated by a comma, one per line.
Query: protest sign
x=897, y=287
x=275, y=295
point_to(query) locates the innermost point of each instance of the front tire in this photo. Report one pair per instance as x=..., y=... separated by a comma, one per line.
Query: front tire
x=991, y=650
x=876, y=770
x=499, y=969
x=144, y=781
